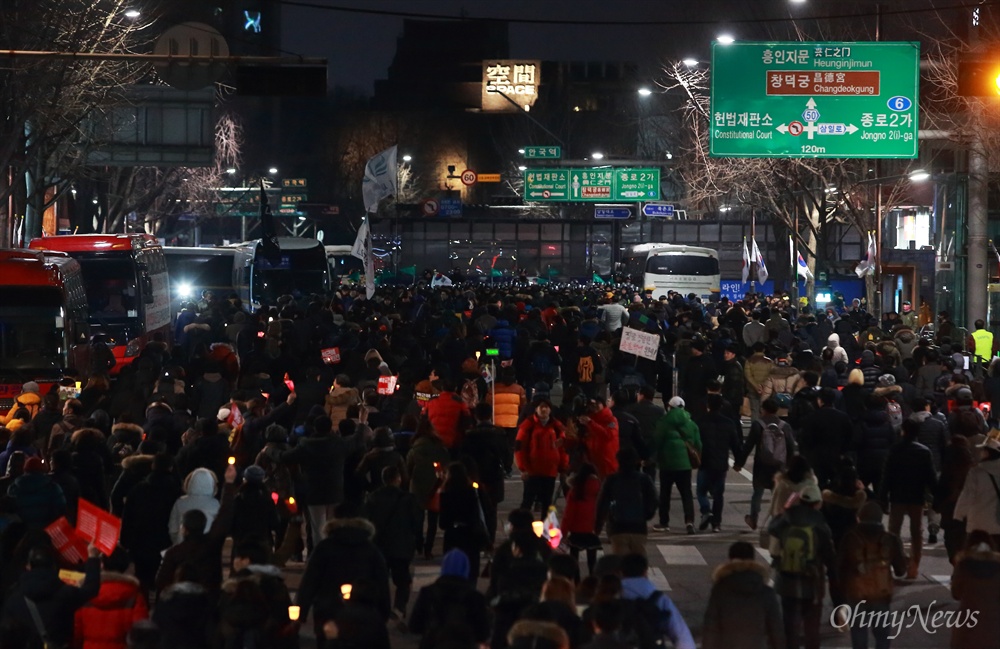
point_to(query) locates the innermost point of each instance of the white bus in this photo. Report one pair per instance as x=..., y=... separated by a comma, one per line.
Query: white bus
x=662, y=267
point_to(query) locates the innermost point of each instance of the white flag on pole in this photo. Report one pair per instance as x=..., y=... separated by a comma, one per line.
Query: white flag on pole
x=867, y=265
x=759, y=258
x=746, y=261
x=380, y=179
x=362, y=249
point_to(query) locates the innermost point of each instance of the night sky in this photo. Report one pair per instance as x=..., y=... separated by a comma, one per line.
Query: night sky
x=360, y=47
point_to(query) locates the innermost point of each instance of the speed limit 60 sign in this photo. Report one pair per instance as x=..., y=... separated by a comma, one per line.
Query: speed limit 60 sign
x=469, y=177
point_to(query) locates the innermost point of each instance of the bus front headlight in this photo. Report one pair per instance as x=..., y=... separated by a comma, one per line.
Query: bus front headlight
x=184, y=290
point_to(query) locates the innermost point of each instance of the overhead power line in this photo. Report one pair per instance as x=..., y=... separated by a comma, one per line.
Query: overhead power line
x=465, y=16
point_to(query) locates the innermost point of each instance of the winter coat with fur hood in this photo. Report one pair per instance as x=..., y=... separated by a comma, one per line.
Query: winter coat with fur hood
x=346, y=555
x=104, y=622
x=743, y=611
x=975, y=584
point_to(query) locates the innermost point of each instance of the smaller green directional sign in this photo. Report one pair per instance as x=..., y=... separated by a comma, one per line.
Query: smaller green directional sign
x=592, y=185
x=543, y=152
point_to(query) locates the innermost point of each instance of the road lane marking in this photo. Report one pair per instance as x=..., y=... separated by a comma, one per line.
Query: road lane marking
x=659, y=580
x=743, y=472
x=681, y=555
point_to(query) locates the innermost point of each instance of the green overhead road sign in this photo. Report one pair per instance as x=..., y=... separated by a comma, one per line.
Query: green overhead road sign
x=815, y=100
x=592, y=185
x=542, y=152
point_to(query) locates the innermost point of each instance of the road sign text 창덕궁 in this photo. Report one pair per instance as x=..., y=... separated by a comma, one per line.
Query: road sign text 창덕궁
x=815, y=100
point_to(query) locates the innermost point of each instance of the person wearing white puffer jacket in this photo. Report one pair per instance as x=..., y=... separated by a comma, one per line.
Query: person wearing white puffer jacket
x=839, y=353
x=199, y=488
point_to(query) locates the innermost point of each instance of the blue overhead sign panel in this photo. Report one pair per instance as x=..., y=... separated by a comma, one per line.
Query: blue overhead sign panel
x=612, y=212
x=660, y=210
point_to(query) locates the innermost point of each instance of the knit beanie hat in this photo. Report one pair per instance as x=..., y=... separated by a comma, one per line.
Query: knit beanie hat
x=455, y=564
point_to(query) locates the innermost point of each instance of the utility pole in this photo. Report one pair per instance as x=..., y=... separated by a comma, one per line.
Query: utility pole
x=977, y=275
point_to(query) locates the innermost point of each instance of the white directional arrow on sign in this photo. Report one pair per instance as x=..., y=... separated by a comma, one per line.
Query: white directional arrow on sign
x=782, y=128
x=852, y=129
x=811, y=103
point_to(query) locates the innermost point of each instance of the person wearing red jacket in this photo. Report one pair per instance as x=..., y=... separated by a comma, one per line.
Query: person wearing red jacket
x=580, y=516
x=540, y=455
x=104, y=622
x=449, y=415
x=600, y=437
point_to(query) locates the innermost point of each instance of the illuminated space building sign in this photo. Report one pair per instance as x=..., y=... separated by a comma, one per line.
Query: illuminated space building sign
x=517, y=80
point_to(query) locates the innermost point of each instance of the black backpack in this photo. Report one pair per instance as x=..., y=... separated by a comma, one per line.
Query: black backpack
x=626, y=499
x=644, y=623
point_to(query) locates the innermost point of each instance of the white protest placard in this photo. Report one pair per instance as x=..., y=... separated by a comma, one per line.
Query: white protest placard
x=639, y=343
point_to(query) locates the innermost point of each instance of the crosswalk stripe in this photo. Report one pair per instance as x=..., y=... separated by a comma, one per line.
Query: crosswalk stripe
x=743, y=472
x=659, y=580
x=583, y=555
x=944, y=580
x=426, y=571
x=681, y=555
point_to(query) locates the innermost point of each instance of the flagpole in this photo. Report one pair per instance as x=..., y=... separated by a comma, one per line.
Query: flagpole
x=753, y=257
x=795, y=263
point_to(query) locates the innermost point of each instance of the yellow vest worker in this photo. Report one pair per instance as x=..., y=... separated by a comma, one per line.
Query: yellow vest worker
x=984, y=342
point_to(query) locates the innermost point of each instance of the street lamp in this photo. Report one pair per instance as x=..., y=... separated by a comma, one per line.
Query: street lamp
x=725, y=39
x=645, y=92
x=273, y=171
x=407, y=158
x=132, y=14
x=692, y=62
x=231, y=171
x=597, y=155
x=919, y=175
x=522, y=168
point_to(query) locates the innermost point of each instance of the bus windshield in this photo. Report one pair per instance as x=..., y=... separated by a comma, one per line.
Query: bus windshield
x=110, y=284
x=31, y=334
x=678, y=264
x=298, y=273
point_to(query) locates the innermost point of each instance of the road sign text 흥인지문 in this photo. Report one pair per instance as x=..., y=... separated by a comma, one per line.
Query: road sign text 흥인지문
x=815, y=100
x=592, y=185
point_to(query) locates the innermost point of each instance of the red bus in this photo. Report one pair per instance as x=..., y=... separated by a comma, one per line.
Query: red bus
x=43, y=317
x=128, y=293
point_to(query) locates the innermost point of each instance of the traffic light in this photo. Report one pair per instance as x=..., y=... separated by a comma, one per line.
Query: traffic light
x=979, y=77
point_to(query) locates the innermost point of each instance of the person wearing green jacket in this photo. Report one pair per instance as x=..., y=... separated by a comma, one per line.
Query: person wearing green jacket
x=676, y=436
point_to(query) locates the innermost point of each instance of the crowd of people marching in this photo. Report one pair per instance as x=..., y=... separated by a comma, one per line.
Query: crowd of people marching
x=346, y=433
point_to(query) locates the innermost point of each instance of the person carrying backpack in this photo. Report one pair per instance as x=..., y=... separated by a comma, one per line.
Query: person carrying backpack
x=867, y=559
x=626, y=501
x=773, y=445
x=651, y=615
x=806, y=550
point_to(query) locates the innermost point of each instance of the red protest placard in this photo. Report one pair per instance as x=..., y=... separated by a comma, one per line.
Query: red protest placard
x=387, y=384
x=70, y=545
x=98, y=526
x=331, y=355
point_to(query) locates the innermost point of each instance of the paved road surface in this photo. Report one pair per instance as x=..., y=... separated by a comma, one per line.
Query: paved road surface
x=682, y=565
